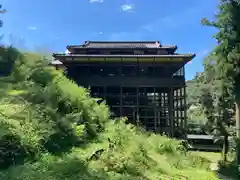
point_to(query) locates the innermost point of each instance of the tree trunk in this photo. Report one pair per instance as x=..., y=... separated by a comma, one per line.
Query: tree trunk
x=238, y=130
x=225, y=135
x=225, y=148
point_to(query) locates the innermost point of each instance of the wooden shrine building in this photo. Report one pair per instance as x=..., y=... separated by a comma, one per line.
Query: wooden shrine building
x=141, y=80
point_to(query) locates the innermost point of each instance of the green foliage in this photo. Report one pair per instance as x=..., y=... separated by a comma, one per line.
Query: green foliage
x=134, y=155
x=54, y=168
x=67, y=105
x=8, y=57
x=155, y=155
x=1, y=12
x=195, y=113
x=227, y=23
x=226, y=55
x=50, y=127
x=46, y=116
x=210, y=102
x=21, y=134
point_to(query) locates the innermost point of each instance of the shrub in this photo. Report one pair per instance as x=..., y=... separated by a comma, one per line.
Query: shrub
x=47, y=113
x=22, y=132
x=73, y=116
x=54, y=168
x=12, y=152
x=8, y=56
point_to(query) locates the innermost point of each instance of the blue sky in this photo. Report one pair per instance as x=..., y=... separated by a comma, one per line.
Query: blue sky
x=50, y=25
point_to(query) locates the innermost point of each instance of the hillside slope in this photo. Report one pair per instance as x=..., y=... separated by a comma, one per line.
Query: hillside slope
x=52, y=129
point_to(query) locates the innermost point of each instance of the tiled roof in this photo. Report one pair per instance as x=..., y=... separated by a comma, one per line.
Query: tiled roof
x=135, y=55
x=121, y=44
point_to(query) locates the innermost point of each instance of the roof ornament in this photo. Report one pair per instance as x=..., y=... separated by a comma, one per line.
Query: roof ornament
x=158, y=43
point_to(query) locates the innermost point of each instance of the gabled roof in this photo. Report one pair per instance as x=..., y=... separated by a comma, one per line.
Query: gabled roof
x=121, y=44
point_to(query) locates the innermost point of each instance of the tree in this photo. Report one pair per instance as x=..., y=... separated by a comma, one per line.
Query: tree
x=216, y=109
x=1, y=12
x=227, y=54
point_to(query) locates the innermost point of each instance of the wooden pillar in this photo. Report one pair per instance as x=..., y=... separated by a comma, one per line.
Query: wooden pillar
x=170, y=110
x=185, y=111
x=121, y=102
x=137, y=105
x=154, y=103
x=185, y=105
x=182, y=106
x=105, y=93
x=177, y=108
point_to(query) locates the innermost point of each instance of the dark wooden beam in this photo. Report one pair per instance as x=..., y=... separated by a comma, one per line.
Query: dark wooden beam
x=170, y=111
x=130, y=82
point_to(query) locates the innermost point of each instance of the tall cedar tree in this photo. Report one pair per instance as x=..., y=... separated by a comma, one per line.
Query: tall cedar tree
x=1, y=12
x=218, y=104
x=228, y=53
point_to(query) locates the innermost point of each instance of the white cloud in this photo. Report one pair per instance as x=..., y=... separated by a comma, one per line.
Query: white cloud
x=96, y=1
x=127, y=7
x=32, y=28
x=101, y=33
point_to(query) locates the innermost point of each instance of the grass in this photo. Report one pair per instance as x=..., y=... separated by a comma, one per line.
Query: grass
x=134, y=154
x=211, y=156
x=74, y=166
x=228, y=170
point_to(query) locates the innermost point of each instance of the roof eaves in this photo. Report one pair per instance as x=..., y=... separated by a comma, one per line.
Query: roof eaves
x=85, y=47
x=102, y=55
x=123, y=42
x=87, y=43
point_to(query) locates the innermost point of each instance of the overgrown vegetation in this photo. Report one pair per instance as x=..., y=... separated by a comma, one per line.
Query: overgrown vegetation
x=216, y=90
x=53, y=129
x=226, y=55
